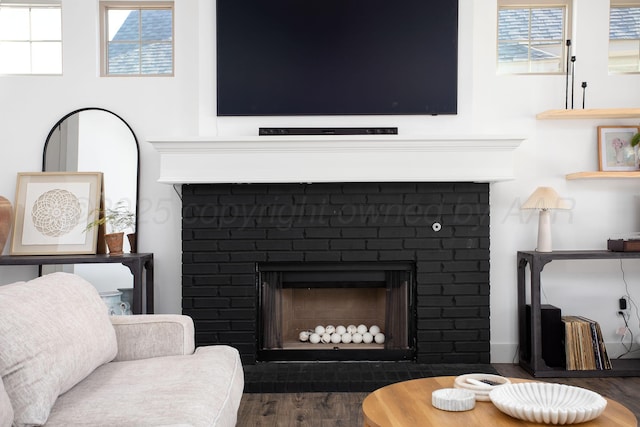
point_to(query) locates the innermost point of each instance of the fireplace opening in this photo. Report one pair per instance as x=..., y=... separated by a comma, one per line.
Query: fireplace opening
x=336, y=311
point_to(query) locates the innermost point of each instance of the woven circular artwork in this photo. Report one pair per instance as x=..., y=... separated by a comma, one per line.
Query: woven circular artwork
x=56, y=212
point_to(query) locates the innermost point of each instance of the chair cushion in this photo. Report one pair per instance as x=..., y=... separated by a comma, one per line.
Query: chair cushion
x=54, y=331
x=199, y=390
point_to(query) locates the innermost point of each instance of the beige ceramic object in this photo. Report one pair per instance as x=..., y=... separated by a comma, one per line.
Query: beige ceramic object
x=6, y=221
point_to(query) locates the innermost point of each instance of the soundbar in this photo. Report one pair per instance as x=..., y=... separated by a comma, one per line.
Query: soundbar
x=328, y=131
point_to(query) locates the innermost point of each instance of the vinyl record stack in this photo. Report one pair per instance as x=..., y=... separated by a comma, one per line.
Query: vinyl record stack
x=584, y=345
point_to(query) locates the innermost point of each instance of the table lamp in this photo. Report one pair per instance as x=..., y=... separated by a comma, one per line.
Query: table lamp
x=544, y=199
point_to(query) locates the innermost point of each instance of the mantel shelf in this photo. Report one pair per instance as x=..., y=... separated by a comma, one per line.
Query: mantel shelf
x=336, y=158
x=592, y=113
x=603, y=175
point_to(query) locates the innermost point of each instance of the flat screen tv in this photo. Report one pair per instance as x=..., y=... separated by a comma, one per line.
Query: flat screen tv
x=336, y=57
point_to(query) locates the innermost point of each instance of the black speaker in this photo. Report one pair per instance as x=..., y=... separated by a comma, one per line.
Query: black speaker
x=328, y=131
x=552, y=335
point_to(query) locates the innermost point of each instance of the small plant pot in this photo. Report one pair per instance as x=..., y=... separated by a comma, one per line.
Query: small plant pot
x=114, y=243
x=132, y=242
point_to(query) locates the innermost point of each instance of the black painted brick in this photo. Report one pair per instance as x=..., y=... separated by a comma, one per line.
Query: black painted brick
x=358, y=256
x=361, y=233
x=460, y=312
x=465, y=336
x=208, y=281
x=200, y=291
x=236, y=291
x=311, y=245
x=396, y=255
x=243, y=279
x=247, y=256
x=200, y=268
x=428, y=336
x=389, y=244
x=229, y=228
x=323, y=257
x=347, y=244
x=460, y=266
x=322, y=233
x=209, y=257
x=285, y=257
x=214, y=326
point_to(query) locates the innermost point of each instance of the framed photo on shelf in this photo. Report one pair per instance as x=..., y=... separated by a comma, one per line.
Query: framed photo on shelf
x=615, y=152
x=52, y=211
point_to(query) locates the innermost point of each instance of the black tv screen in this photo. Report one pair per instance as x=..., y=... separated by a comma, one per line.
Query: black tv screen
x=336, y=57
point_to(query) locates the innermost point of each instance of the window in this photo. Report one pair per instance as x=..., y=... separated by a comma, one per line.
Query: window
x=532, y=36
x=624, y=36
x=30, y=37
x=138, y=38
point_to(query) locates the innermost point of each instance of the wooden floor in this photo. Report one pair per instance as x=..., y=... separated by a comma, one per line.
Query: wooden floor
x=344, y=409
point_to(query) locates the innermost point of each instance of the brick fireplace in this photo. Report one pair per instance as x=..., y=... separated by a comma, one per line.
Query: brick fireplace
x=440, y=228
x=255, y=200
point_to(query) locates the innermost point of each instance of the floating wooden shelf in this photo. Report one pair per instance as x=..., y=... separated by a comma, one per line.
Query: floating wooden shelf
x=592, y=113
x=601, y=175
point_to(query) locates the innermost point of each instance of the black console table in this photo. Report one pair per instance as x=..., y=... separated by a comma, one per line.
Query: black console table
x=137, y=263
x=535, y=364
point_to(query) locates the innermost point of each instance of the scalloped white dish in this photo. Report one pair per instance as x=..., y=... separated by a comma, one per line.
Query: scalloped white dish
x=548, y=403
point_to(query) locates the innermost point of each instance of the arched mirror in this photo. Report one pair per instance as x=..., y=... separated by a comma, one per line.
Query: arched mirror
x=98, y=140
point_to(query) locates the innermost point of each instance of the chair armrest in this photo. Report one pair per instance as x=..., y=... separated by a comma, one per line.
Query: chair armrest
x=153, y=335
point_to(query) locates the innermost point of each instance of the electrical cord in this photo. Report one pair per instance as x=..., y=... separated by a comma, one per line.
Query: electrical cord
x=627, y=317
x=627, y=332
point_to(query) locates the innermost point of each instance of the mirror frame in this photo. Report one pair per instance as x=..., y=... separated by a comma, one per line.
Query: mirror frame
x=135, y=139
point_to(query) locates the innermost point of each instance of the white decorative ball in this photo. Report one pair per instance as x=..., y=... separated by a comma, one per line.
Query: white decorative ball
x=326, y=338
x=356, y=338
x=367, y=338
x=304, y=336
x=374, y=329
x=346, y=338
x=335, y=338
x=340, y=329
x=330, y=329
x=314, y=338
x=320, y=330
x=361, y=329
x=379, y=338
x=352, y=329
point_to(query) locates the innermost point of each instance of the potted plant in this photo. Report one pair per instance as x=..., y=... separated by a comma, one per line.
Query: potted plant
x=635, y=141
x=117, y=220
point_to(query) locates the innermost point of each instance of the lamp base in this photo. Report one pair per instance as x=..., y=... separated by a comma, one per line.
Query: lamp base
x=544, y=231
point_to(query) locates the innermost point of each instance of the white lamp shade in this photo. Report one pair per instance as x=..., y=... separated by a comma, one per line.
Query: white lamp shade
x=545, y=198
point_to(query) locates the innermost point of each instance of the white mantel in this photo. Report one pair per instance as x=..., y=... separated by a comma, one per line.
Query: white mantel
x=335, y=158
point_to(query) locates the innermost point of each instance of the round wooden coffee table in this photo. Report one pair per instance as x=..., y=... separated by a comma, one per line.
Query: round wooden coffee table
x=408, y=403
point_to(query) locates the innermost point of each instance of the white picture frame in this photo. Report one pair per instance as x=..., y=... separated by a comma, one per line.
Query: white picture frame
x=52, y=211
x=615, y=152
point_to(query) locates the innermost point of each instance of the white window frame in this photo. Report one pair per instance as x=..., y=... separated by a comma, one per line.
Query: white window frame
x=622, y=3
x=533, y=4
x=104, y=32
x=30, y=4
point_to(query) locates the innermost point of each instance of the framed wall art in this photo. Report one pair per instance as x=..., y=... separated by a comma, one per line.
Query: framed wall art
x=615, y=152
x=52, y=211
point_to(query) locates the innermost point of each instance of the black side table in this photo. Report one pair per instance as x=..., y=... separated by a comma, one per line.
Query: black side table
x=137, y=263
x=535, y=364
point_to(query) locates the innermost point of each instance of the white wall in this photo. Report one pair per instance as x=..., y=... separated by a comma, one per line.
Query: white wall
x=488, y=104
